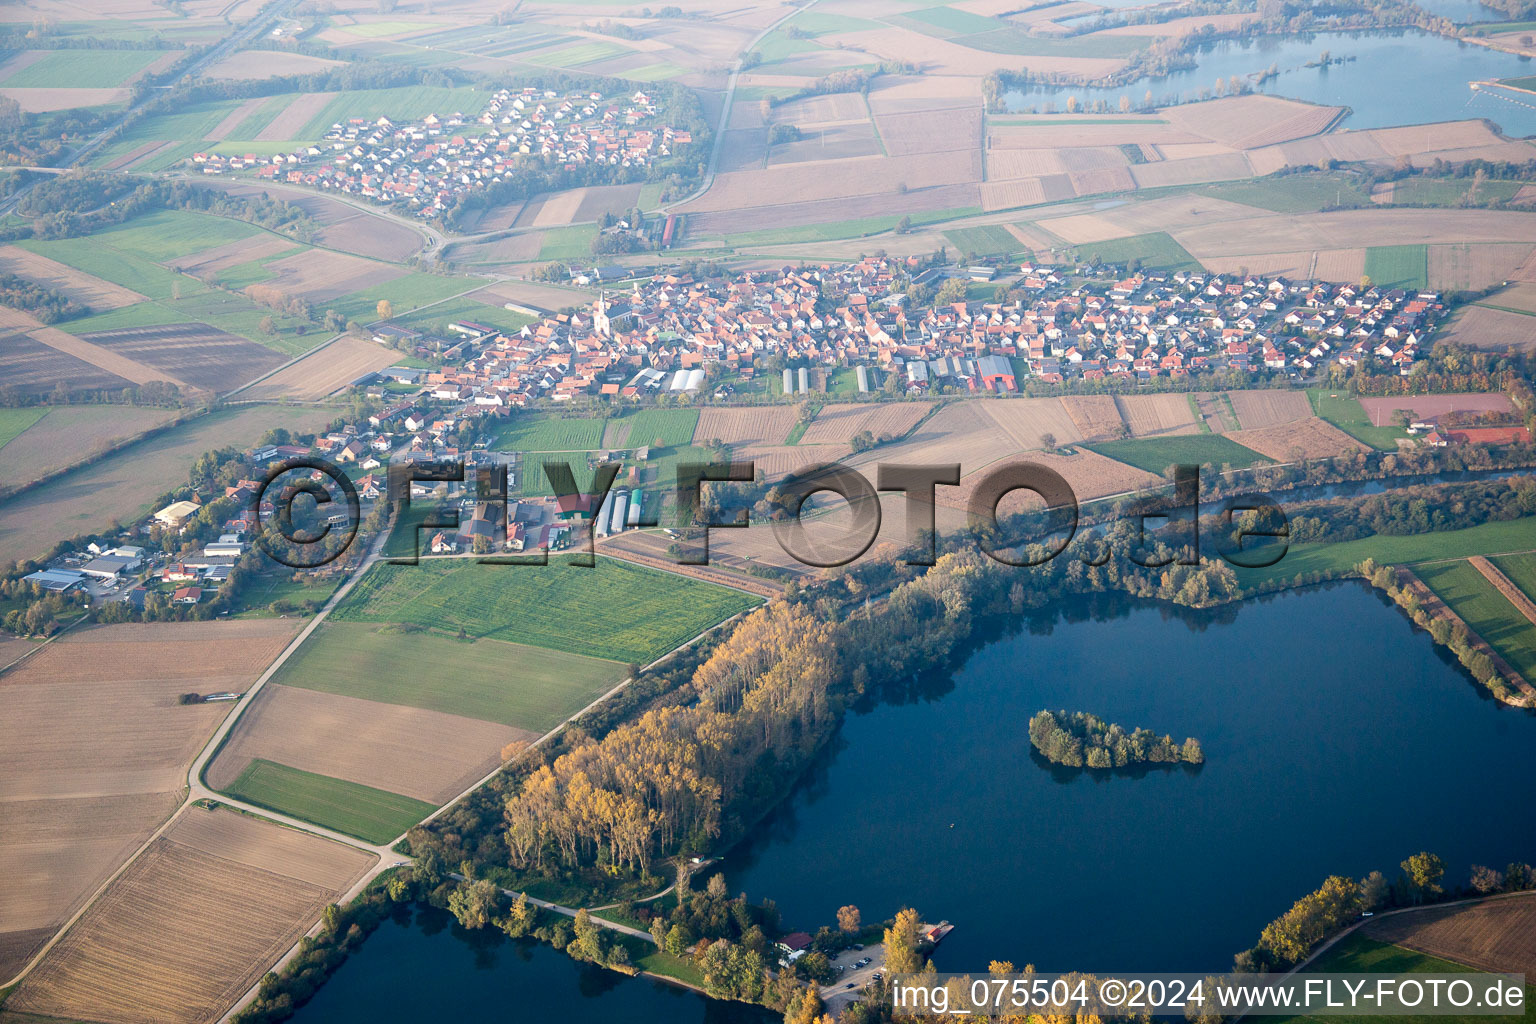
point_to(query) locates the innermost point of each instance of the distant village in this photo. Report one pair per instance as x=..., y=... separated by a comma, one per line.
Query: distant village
x=426, y=166
x=675, y=333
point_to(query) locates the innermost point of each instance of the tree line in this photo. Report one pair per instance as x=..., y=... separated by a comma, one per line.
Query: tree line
x=47, y=305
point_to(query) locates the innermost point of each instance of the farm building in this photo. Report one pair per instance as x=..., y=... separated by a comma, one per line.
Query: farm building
x=107, y=567
x=58, y=581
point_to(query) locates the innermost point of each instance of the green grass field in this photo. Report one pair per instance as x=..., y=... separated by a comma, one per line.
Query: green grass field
x=83, y=69
x=372, y=815
x=834, y=230
x=984, y=240
x=1521, y=570
x=1156, y=251
x=14, y=421
x=1449, y=191
x=1345, y=412
x=524, y=687
x=1291, y=193
x=1484, y=539
x=657, y=428
x=1357, y=954
x=405, y=294
x=568, y=243
x=615, y=610
x=1487, y=611
x=1156, y=454
x=401, y=103
x=1398, y=266
x=542, y=432
x=435, y=319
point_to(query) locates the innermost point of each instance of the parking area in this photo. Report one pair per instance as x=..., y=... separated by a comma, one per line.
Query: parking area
x=855, y=968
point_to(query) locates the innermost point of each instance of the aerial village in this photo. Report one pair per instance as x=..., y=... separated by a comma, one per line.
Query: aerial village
x=426, y=166
x=678, y=333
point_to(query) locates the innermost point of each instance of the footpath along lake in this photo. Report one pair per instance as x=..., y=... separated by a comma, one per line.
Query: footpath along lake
x=1397, y=77
x=1337, y=738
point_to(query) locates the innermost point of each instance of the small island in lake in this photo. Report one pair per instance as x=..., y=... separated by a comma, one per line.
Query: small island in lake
x=1080, y=740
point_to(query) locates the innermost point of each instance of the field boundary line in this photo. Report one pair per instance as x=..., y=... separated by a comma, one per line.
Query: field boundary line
x=1439, y=608
x=1513, y=594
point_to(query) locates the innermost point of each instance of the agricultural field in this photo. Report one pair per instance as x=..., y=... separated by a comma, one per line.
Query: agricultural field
x=192, y=923
x=656, y=428
x=1096, y=417
x=373, y=815
x=70, y=820
x=1259, y=409
x=528, y=688
x=199, y=355
x=82, y=69
x=1484, y=539
x=1030, y=421
x=38, y=442
x=767, y=424
x=1156, y=454
x=1430, y=407
x=92, y=292
x=614, y=610
x=1521, y=571
x=324, y=370
x=1155, y=251
x=1398, y=266
x=121, y=488
x=1089, y=474
x=1311, y=438
x=1291, y=193
x=1493, y=935
x=1487, y=612
x=1483, y=326
x=1157, y=415
x=984, y=240
x=835, y=424
x=1346, y=413
x=544, y=432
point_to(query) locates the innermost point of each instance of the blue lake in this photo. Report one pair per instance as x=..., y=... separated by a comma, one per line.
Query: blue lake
x=1395, y=78
x=1338, y=740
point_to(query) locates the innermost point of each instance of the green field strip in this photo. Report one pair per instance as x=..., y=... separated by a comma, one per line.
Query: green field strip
x=372, y=815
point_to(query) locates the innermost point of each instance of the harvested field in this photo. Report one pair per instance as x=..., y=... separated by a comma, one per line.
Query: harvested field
x=1259, y=409
x=1484, y=327
x=345, y=227
x=1275, y=264
x=1310, y=438
x=37, y=368
x=290, y=123
x=829, y=212
x=247, y=65
x=1493, y=935
x=1248, y=122
x=835, y=424
x=183, y=932
x=813, y=110
x=931, y=131
x=600, y=199
x=202, y=356
x=559, y=209
x=69, y=434
x=431, y=756
x=41, y=101
x=1103, y=179
x=860, y=176
x=1078, y=228
x=828, y=142
x=1089, y=474
x=70, y=351
x=1519, y=296
x=319, y=275
x=774, y=461
x=121, y=488
x=1338, y=264
x=1028, y=420
x=67, y=821
x=1463, y=267
x=90, y=291
x=1096, y=417
x=232, y=254
x=531, y=294
x=1008, y=195
x=1156, y=415
x=1432, y=407
x=324, y=370
x=764, y=425
x=495, y=218
x=1193, y=171
x=1214, y=412
x=1344, y=229
x=1024, y=163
